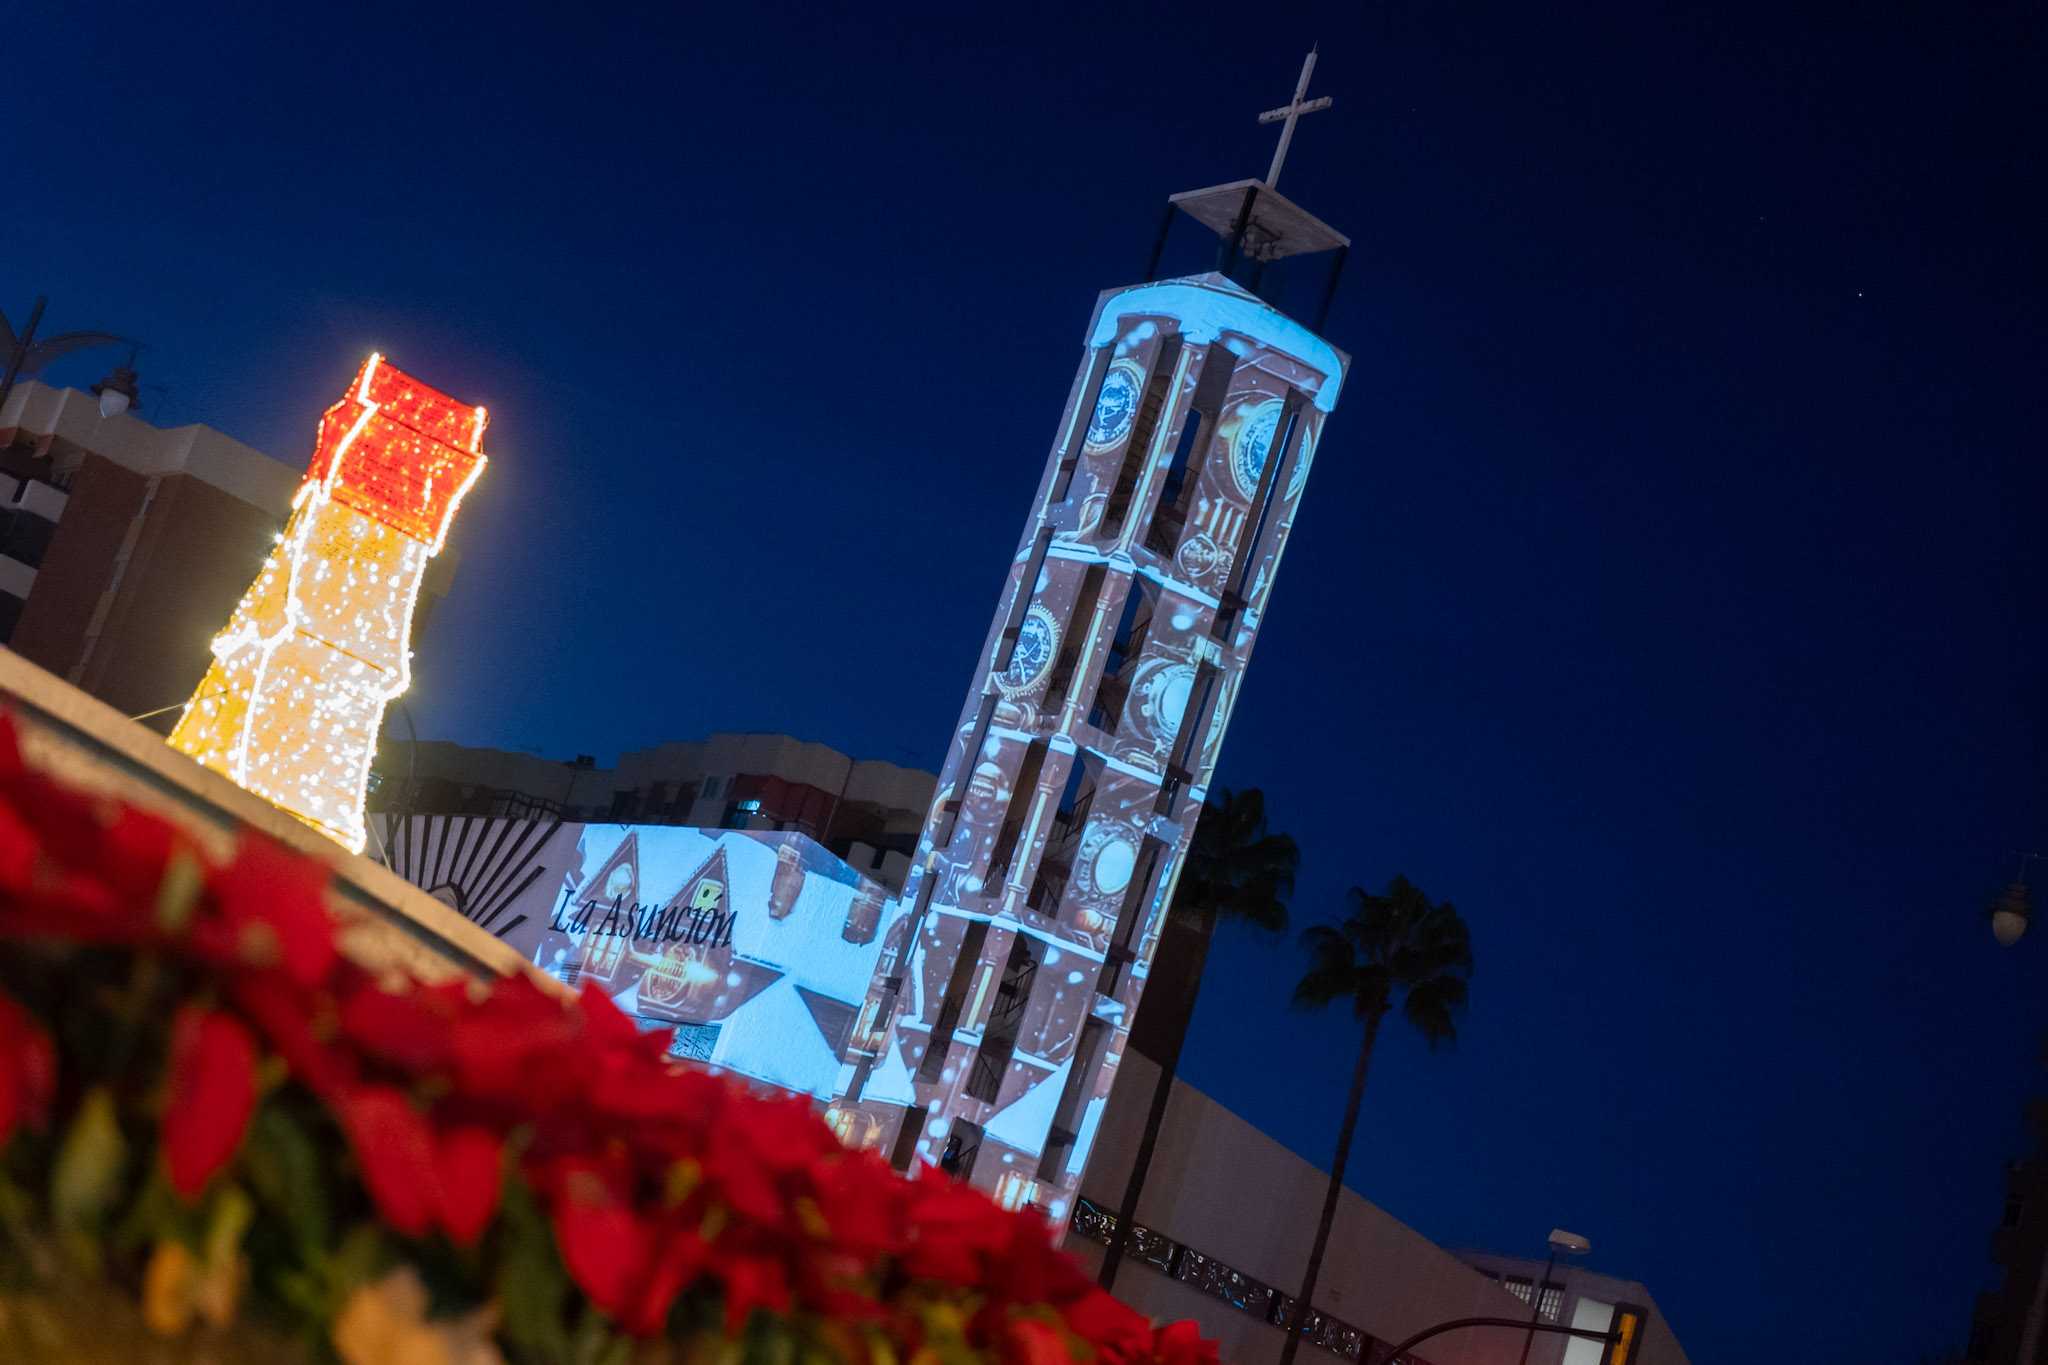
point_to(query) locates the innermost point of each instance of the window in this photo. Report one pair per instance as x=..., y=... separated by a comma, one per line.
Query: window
x=1191, y=452
x=1243, y=559
x=1136, y=903
x=2015, y=1208
x=1060, y=1138
x=1518, y=1285
x=907, y=1134
x=1553, y=1301
x=977, y=736
x=931, y=1068
x=1078, y=635
x=963, y=1144
x=1158, y=392
x=1025, y=787
x=1124, y=647
x=25, y=536
x=1061, y=840
x=1005, y=1020
x=1020, y=603
x=1189, y=739
x=1085, y=419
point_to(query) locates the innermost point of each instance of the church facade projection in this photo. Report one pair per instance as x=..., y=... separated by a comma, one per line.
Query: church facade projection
x=755, y=946
x=989, y=1039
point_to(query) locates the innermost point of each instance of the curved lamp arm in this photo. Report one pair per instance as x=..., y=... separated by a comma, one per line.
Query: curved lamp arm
x=1608, y=1337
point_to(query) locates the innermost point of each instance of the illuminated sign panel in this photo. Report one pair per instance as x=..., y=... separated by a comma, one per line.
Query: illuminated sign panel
x=292, y=704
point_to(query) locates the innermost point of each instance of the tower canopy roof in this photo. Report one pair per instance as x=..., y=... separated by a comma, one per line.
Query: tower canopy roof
x=1273, y=225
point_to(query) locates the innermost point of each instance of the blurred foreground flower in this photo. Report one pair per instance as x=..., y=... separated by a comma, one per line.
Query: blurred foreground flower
x=386, y=1324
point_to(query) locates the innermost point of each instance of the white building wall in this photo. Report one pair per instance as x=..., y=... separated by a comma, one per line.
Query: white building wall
x=1227, y=1190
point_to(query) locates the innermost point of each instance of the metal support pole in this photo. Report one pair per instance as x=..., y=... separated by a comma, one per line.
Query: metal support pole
x=1228, y=261
x=1536, y=1304
x=1159, y=244
x=1607, y=1338
x=20, y=356
x=1330, y=289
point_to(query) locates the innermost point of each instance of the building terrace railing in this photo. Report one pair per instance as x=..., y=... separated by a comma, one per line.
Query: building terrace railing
x=1180, y=1262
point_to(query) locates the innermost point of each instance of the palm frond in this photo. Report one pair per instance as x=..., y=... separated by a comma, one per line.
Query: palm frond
x=1393, y=947
x=1235, y=869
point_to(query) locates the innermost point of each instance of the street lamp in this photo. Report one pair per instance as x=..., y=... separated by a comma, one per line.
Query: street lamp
x=1562, y=1243
x=26, y=355
x=118, y=392
x=2010, y=912
x=2009, y=915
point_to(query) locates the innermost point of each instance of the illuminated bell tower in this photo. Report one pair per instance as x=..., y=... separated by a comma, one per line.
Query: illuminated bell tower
x=294, y=700
x=1005, y=992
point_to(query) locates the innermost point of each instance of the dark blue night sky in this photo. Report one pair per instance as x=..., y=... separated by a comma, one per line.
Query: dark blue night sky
x=1669, y=593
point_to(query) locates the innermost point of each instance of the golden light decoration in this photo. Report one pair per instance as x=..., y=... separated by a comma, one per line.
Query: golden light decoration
x=291, y=707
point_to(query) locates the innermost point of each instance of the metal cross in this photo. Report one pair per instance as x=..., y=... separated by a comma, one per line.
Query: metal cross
x=1291, y=111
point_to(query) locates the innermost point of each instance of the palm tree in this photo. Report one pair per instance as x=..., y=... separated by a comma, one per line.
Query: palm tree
x=1235, y=870
x=1389, y=950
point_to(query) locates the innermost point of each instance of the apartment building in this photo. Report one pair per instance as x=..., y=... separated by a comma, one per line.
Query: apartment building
x=124, y=547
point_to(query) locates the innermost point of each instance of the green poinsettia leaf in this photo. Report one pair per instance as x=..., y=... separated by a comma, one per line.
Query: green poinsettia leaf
x=532, y=1284
x=87, y=1175
x=284, y=1166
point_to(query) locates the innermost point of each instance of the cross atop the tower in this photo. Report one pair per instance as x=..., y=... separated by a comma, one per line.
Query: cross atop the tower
x=1291, y=111
x=1257, y=223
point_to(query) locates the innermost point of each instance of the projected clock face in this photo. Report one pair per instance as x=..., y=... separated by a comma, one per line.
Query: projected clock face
x=1254, y=439
x=1117, y=407
x=1036, y=642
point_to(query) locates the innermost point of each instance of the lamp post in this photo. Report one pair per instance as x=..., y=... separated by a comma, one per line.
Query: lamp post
x=1561, y=1243
x=26, y=355
x=2009, y=915
x=1610, y=1337
x=118, y=392
x=2010, y=912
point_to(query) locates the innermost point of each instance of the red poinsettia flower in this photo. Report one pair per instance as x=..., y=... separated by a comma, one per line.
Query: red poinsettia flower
x=469, y=1171
x=395, y=1149
x=19, y=848
x=135, y=850
x=410, y=1029
x=519, y=1044
x=753, y=1282
x=860, y=1200
x=289, y=1020
x=681, y=1252
x=1181, y=1343
x=651, y=1173
x=28, y=1070
x=955, y=1229
x=68, y=821
x=1028, y=1342
x=605, y=1247
x=274, y=902
x=212, y=1093
x=1119, y=1332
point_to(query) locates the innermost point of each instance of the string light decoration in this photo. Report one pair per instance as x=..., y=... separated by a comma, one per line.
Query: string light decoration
x=292, y=705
